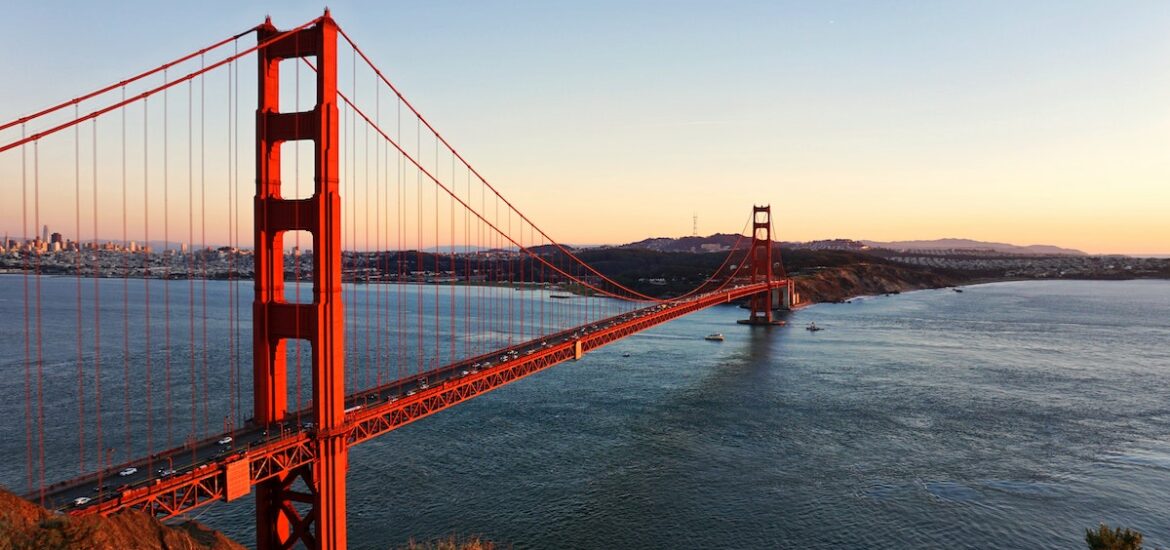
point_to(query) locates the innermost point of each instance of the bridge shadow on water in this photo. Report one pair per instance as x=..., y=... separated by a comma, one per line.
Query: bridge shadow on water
x=671, y=449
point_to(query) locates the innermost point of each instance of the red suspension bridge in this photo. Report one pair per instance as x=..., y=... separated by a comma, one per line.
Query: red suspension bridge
x=354, y=190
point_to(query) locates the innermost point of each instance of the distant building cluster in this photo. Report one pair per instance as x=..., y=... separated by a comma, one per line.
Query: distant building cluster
x=55, y=255
x=54, y=242
x=1037, y=267
x=1011, y=265
x=52, y=253
x=830, y=244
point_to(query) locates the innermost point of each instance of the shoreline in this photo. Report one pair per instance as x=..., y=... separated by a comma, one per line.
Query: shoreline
x=828, y=285
x=969, y=283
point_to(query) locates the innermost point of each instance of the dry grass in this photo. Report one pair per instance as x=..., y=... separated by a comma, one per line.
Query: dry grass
x=451, y=543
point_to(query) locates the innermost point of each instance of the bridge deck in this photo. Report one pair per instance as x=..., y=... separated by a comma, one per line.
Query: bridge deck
x=207, y=471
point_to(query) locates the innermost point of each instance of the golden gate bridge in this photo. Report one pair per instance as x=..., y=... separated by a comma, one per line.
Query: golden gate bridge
x=150, y=159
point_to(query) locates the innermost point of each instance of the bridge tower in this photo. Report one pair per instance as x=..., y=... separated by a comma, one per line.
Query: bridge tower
x=305, y=505
x=760, y=257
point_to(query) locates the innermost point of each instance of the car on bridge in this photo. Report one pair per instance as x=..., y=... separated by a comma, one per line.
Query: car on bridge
x=128, y=471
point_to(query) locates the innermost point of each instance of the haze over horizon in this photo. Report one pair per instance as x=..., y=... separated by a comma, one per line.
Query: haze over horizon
x=612, y=122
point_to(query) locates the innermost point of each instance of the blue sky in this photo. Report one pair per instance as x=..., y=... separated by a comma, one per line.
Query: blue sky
x=1026, y=122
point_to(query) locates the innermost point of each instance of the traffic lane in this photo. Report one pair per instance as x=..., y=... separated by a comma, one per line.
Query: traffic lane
x=213, y=451
x=111, y=485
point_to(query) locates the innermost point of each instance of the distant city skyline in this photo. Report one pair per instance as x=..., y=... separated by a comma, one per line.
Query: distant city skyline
x=1034, y=123
x=57, y=242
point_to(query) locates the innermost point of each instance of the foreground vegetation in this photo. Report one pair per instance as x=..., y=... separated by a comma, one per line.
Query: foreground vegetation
x=1113, y=539
x=451, y=543
x=26, y=526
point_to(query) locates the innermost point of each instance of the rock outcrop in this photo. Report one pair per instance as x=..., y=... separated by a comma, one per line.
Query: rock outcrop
x=836, y=284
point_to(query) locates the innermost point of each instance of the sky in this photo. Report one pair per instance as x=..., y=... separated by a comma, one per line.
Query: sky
x=1043, y=122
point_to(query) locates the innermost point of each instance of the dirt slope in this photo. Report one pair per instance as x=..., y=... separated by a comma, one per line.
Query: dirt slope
x=24, y=525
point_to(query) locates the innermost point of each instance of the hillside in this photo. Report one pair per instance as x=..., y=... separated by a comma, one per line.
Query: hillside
x=721, y=241
x=836, y=284
x=837, y=275
x=968, y=244
x=821, y=275
x=24, y=525
x=718, y=241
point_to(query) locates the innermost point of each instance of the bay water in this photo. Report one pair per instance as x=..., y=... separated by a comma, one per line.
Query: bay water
x=1010, y=415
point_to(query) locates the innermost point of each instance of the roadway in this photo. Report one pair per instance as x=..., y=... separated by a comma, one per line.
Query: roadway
x=209, y=455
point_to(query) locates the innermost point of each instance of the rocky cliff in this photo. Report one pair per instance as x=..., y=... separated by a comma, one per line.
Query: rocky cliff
x=835, y=284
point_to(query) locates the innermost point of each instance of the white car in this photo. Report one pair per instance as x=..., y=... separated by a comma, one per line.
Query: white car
x=81, y=501
x=128, y=471
x=226, y=441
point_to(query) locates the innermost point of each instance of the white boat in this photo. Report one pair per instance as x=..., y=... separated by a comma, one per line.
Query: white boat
x=812, y=327
x=716, y=337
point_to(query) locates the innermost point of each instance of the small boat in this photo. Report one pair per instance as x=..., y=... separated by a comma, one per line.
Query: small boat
x=717, y=337
x=560, y=296
x=957, y=289
x=812, y=327
x=627, y=354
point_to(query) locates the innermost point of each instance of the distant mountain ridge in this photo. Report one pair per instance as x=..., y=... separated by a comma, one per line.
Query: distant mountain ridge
x=724, y=241
x=712, y=243
x=969, y=244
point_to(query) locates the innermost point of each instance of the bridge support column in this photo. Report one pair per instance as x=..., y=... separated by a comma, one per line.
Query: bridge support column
x=304, y=506
x=791, y=298
x=760, y=256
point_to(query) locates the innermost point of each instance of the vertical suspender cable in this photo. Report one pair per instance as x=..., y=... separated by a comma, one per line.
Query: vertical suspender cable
x=379, y=253
x=467, y=334
x=366, y=252
x=147, y=326
x=453, y=279
x=511, y=283
x=126, y=448
x=203, y=230
x=28, y=409
x=80, y=356
x=39, y=340
x=167, y=255
x=190, y=260
x=400, y=229
x=438, y=269
x=418, y=249
x=236, y=235
x=231, y=288
x=97, y=309
x=352, y=313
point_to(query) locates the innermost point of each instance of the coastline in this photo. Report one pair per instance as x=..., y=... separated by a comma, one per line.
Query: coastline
x=838, y=284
